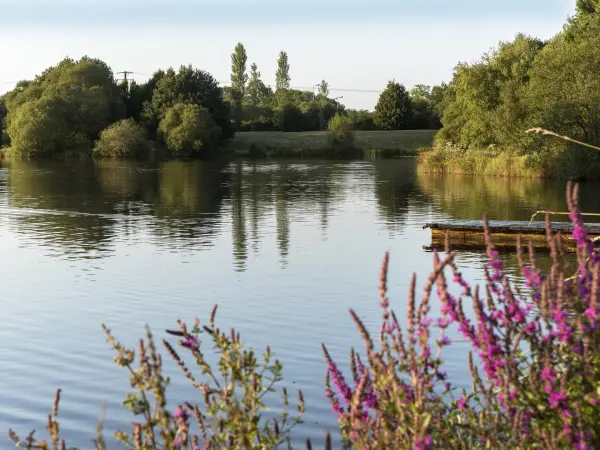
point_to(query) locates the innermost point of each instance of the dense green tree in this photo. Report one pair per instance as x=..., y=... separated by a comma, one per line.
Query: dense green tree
x=63, y=109
x=426, y=104
x=137, y=95
x=393, y=108
x=239, y=78
x=189, y=130
x=361, y=119
x=21, y=93
x=587, y=12
x=564, y=91
x=289, y=118
x=422, y=109
x=191, y=86
x=123, y=139
x=257, y=93
x=87, y=78
x=141, y=99
x=483, y=104
x=437, y=100
x=588, y=6
x=3, y=112
x=39, y=128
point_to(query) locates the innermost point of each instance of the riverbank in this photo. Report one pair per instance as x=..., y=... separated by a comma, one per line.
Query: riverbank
x=305, y=144
x=565, y=161
x=474, y=162
x=370, y=144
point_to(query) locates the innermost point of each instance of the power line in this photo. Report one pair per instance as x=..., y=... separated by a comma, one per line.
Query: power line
x=309, y=88
x=226, y=84
x=300, y=88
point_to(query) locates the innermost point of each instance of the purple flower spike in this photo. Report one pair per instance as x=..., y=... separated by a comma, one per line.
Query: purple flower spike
x=181, y=414
x=191, y=342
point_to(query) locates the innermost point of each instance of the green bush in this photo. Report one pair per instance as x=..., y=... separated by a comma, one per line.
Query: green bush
x=123, y=139
x=340, y=131
x=189, y=130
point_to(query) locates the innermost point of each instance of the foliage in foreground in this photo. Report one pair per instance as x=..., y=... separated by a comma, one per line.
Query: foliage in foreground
x=534, y=364
x=233, y=396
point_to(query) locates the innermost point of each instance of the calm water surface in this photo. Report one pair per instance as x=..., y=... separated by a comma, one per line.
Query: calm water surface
x=284, y=248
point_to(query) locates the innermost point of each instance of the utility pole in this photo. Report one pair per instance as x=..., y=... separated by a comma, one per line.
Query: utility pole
x=125, y=73
x=337, y=104
x=314, y=94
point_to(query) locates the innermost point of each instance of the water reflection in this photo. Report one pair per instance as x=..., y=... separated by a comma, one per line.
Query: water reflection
x=469, y=197
x=394, y=188
x=60, y=207
x=78, y=210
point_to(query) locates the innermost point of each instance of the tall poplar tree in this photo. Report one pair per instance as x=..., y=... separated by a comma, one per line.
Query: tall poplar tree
x=323, y=93
x=239, y=77
x=282, y=77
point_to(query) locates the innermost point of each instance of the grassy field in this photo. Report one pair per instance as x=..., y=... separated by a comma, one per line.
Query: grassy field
x=311, y=143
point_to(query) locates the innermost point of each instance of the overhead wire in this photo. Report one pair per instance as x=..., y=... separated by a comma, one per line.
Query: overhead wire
x=299, y=87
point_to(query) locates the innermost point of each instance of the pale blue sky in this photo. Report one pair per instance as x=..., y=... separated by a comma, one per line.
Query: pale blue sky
x=350, y=43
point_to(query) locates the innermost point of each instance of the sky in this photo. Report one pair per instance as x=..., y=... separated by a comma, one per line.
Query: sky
x=357, y=46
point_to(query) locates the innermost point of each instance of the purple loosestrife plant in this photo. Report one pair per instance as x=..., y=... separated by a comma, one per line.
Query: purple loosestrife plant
x=538, y=349
x=231, y=414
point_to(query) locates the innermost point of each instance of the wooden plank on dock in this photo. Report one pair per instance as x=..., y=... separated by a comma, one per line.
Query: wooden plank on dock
x=508, y=226
x=469, y=233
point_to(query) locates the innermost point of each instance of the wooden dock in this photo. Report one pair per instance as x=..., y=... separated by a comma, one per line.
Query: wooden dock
x=469, y=233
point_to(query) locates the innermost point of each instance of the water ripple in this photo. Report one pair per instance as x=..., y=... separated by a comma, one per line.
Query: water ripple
x=284, y=248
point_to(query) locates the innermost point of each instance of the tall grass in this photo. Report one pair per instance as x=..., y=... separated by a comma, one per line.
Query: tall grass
x=453, y=160
x=566, y=160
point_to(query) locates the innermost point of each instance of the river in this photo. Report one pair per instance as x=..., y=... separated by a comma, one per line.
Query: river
x=283, y=247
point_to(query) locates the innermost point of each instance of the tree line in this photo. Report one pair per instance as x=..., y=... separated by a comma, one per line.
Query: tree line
x=78, y=105
x=527, y=83
x=257, y=108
